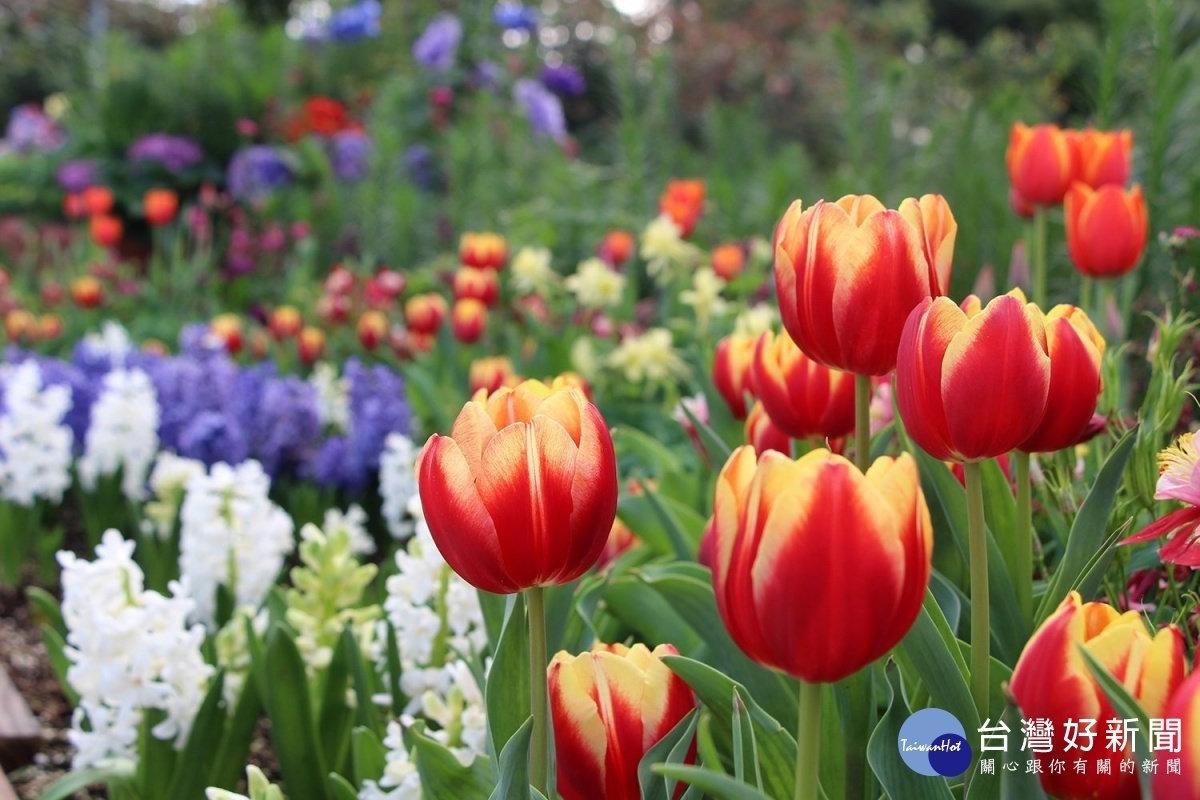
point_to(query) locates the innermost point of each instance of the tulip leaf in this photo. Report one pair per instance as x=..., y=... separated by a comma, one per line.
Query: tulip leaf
x=716, y=448
x=514, y=765
x=340, y=788
x=368, y=755
x=713, y=784
x=673, y=748
x=897, y=778
x=1089, y=529
x=651, y=616
x=645, y=448
x=443, y=777
x=744, y=745
x=931, y=650
x=286, y=698
x=506, y=695
x=1127, y=706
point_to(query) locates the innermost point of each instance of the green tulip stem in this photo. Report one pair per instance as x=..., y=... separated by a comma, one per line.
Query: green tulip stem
x=1039, y=256
x=862, y=422
x=980, y=605
x=539, y=697
x=1023, y=563
x=808, y=742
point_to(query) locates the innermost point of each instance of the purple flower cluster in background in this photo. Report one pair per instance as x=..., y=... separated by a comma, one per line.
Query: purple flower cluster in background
x=31, y=131
x=172, y=153
x=541, y=107
x=256, y=171
x=361, y=20
x=515, y=16
x=437, y=47
x=77, y=175
x=350, y=156
x=564, y=80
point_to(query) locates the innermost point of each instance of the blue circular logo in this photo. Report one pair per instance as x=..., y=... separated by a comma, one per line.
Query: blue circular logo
x=933, y=742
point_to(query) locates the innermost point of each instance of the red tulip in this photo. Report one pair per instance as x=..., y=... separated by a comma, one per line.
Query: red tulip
x=800, y=396
x=97, y=200
x=1105, y=157
x=763, y=434
x=340, y=281
x=848, y=274
x=483, y=250
x=1106, y=229
x=228, y=328
x=616, y=248
x=1184, y=706
x=372, y=328
x=819, y=569
x=479, y=284
x=285, y=322
x=87, y=292
x=1042, y=162
x=972, y=384
x=74, y=206
x=733, y=364
x=310, y=344
x=620, y=540
x=160, y=206
x=683, y=202
x=1076, y=349
x=523, y=492
x=728, y=260
x=468, y=319
x=423, y=313
x=491, y=374
x=106, y=230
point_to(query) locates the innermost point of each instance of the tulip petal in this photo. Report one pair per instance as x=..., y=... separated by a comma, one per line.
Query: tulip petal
x=1071, y=399
x=930, y=328
x=1164, y=670
x=579, y=736
x=593, y=494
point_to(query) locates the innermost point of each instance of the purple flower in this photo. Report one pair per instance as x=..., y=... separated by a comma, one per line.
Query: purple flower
x=487, y=75
x=350, y=156
x=542, y=108
x=515, y=16
x=31, y=131
x=77, y=175
x=438, y=45
x=256, y=171
x=286, y=428
x=564, y=80
x=418, y=161
x=378, y=406
x=173, y=153
x=356, y=21
x=213, y=437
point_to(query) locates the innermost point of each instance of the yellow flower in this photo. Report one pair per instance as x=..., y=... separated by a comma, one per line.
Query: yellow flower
x=663, y=248
x=650, y=357
x=595, y=285
x=705, y=295
x=531, y=271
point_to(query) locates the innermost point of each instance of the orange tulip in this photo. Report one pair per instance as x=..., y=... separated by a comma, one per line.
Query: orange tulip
x=1052, y=681
x=787, y=588
x=97, y=200
x=483, y=250
x=310, y=344
x=423, y=313
x=1106, y=229
x=1184, y=706
x=480, y=284
x=106, y=230
x=1042, y=162
x=800, y=396
x=1105, y=157
x=49, y=326
x=19, y=323
x=728, y=260
x=1076, y=349
x=683, y=202
x=616, y=248
x=763, y=434
x=848, y=274
x=972, y=382
x=228, y=328
x=160, y=206
x=468, y=318
x=372, y=328
x=523, y=492
x=491, y=374
x=87, y=292
x=285, y=322
x=610, y=706
x=733, y=364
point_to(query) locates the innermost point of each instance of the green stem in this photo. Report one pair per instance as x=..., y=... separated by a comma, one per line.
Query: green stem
x=808, y=742
x=1022, y=569
x=1039, y=256
x=539, y=698
x=862, y=421
x=980, y=605
x=1086, y=293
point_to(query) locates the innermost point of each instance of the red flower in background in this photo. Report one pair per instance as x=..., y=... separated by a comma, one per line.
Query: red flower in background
x=322, y=116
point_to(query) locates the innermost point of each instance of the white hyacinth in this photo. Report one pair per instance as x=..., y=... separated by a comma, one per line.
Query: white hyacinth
x=397, y=482
x=168, y=483
x=123, y=433
x=400, y=780
x=112, y=341
x=333, y=397
x=131, y=650
x=232, y=534
x=354, y=521
x=35, y=445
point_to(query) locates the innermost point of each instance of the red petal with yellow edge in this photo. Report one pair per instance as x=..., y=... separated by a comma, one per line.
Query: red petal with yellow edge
x=593, y=495
x=1185, y=707
x=580, y=740
x=1074, y=389
x=1165, y=668
x=899, y=483
x=472, y=431
x=931, y=327
x=995, y=378
x=458, y=519
x=1041, y=164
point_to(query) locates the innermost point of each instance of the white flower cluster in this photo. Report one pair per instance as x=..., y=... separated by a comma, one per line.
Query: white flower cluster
x=649, y=357
x=168, y=484
x=35, y=445
x=123, y=433
x=232, y=534
x=333, y=396
x=400, y=779
x=705, y=295
x=531, y=272
x=112, y=341
x=131, y=651
x=397, y=482
x=596, y=285
x=354, y=522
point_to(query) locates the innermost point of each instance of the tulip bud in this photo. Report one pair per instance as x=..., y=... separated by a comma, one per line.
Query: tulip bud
x=391, y=282
x=848, y=274
x=728, y=260
x=285, y=322
x=1052, y=681
x=491, y=374
x=616, y=248
x=52, y=294
x=609, y=707
x=468, y=319
x=478, y=284
x=97, y=200
x=801, y=397
x=1106, y=229
x=423, y=313
x=523, y=491
x=18, y=323
x=1076, y=349
x=1042, y=162
x=372, y=328
x=228, y=328
x=87, y=292
x=783, y=532
x=483, y=250
x=763, y=434
x=334, y=308
x=105, y=230
x=565, y=379
x=49, y=327
x=340, y=281
x=1105, y=157
x=159, y=206
x=310, y=344
x=733, y=365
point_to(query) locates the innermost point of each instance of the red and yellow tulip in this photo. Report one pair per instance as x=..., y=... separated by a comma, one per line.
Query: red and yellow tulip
x=848, y=274
x=285, y=322
x=1052, y=681
x=424, y=313
x=87, y=292
x=372, y=328
x=616, y=247
x=468, y=319
x=160, y=206
x=1105, y=157
x=483, y=250
x=800, y=396
x=728, y=260
x=763, y=434
x=733, y=364
x=523, y=491
x=610, y=706
x=480, y=284
x=819, y=569
x=1042, y=162
x=310, y=344
x=1075, y=348
x=491, y=374
x=1184, y=706
x=1106, y=229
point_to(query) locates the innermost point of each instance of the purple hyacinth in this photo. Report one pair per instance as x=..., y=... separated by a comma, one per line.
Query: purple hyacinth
x=173, y=153
x=361, y=20
x=564, y=80
x=542, y=108
x=256, y=171
x=77, y=174
x=487, y=75
x=438, y=45
x=31, y=131
x=213, y=437
x=515, y=16
x=350, y=156
x=287, y=427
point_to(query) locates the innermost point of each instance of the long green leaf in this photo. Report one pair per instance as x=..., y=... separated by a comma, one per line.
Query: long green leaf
x=444, y=778
x=286, y=698
x=506, y=695
x=193, y=774
x=239, y=733
x=713, y=784
x=369, y=756
x=671, y=749
x=335, y=718
x=897, y=778
x=514, y=765
x=72, y=782
x=932, y=650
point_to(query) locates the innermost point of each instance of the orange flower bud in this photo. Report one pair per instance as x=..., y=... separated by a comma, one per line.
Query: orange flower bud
x=19, y=323
x=801, y=397
x=106, y=230
x=479, y=284
x=285, y=322
x=423, y=313
x=972, y=384
x=1042, y=162
x=1052, y=681
x=228, y=328
x=609, y=707
x=160, y=206
x=683, y=202
x=1185, y=707
x=565, y=379
x=483, y=250
x=616, y=248
x=372, y=328
x=49, y=327
x=310, y=344
x=87, y=292
x=491, y=374
x=848, y=274
x=783, y=530
x=1106, y=229
x=97, y=200
x=1076, y=349
x=468, y=319
x=523, y=492
x=728, y=260
x=1105, y=157
x=733, y=364
x=762, y=434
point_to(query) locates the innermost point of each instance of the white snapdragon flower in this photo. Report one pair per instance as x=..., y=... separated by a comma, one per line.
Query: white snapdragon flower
x=596, y=285
x=232, y=534
x=123, y=433
x=397, y=482
x=35, y=445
